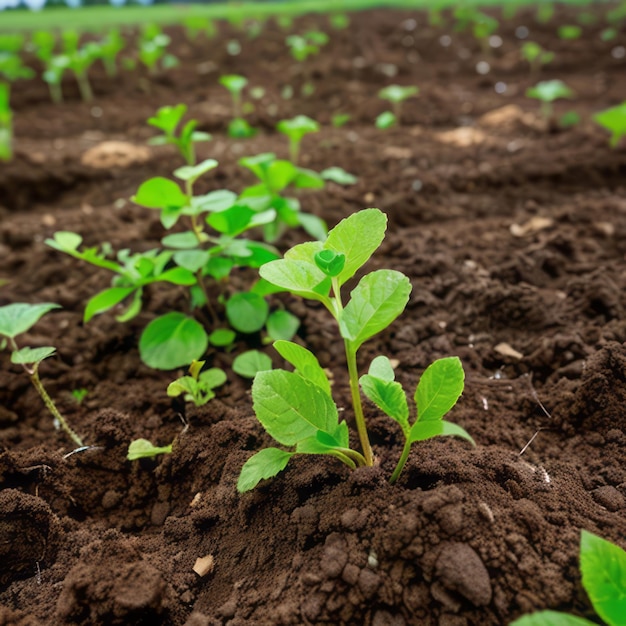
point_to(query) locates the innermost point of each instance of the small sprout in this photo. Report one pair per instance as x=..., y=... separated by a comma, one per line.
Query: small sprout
x=110, y=47
x=144, y=449
x=238, y=128
x=198, y=386
x=16, y=319
x=536, y=56
x=483, y=27
x=153, y=45
x=386, y=120
x=547, y=92
x=304, y=46
x=340, y=119
x=397, y=94
x=79, y=395
x=613, y=120
x=296, y=408
x=295, y=129
x=569, y=32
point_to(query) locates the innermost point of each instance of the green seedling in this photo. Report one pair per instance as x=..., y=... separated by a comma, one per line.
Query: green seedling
x=339, y=21
x=110, y=48
x=152, y=52
x=297, y=408
x=12, y=42
x=295, y=129
x=569, y=119
x=302, y=47
x=603, y=569
x=483, y=27
x=55, y=67
x=569, y=32
x=396, y=95
x=144, y=449
x=238, y=127
x=6, y=123
x=196, y=25
x=199, y=385
x=545, y=12
x=536, y=56
x=340, y=119
x=613, y=120
x=79, y=395
x=385, y=120
x=249, y=363
x=16, y=319
x=167, y=120
x=547, y=92
x=275, y=177
x=79, y=61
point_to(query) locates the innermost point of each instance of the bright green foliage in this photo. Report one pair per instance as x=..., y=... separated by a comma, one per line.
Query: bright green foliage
x=569, y=32
x=12, y=67
x=196, y=25
x=339, y=21
x=247, y=312
x=167, y=120
x=295, y=129
x=603, y=568
x=110, y=47
x=238, y=127
x=396, y=94
x=79, y=394
x=386, y=120
x=6, y=123
x=198, y=386
x=144, y=449
x=79, y=61
x=152, y=51
x=281, y=325
x=55, y=67
x=547, y=91
x=16, y=319
x=296, y=408
x=483, y=27
x=569, y=119
x=249, y=363
x=536, y=56
x=303, y=46
x=613, y=120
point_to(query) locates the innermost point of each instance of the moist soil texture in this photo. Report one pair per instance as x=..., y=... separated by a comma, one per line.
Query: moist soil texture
x=512, y=231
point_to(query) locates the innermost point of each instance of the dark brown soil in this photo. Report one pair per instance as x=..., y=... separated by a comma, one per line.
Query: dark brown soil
x=514, y=237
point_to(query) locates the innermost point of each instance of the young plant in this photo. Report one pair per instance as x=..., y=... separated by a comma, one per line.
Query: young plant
x=302, y=47
x=536, y=56
x=613, y=120
x=153, y=45
x=569, y=32
x=43, y=44
x=238, y=127
x=295, y=129
x=603, y=569
x=79, y=61
x=296, y=408
x=547, y=91
x=483, y=27
x=79, y=395
x=396, y=95
x=196, y=25
x=16, y=319
x=167, y=120
x=110, y=47
x=6, y=123
x=198, y=386
x=144, y=449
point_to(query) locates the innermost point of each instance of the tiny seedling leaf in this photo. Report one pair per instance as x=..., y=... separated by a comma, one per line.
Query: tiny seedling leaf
x=305, y=363
x=222, y=337
x=143, y=449
x=248, y=364
x=385, y=120
x=282, y=325
x=389, y=397
x=264, y=464
x=26, y=356
x=300, y=277
x=551, y=618
x=193, y=172
x=19, y=317
x=160, y=193
x=421, y=431
x=291, y=408
x=338, y=175
x=357, y=237
x=603, y=568
x=106, y=300
x=374, y=303
x=172, y=340
x=439, y=388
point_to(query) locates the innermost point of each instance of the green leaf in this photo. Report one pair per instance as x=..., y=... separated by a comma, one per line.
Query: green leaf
x=222, y=337
x=613, y=120
x=381, y=367
x=282, y=325
x=439, y=388
x=191, y=260
x=338, y=175
x=184, y=384
x=385, y=120
x=167, y=118
x=297, y=127
x=19, y=317
x=143, y=449
x=215, y=201
x=172, y=340
x=603, y=568
x=551, y=618
x=247, y=312
x=233, y=221
x=160, y=193
x=65, y=241
x=423, y=430
x=313, y=225
x=106, y=300
x=397, y=93
x=279, y=174
x=31, y=355
x=212, y=378
x=248, y=364
x=549, y=91
x=133, y=308
x=233, y=82
x=374, y=303
x=177, y=276
x=193, y=172
x=330, y=262
x=305, y=363
x=357, y=236
x=307, y=179
x=291, y=408
x=299, y=277
x=264, y=464
x=389, y=397
x=181, y=241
